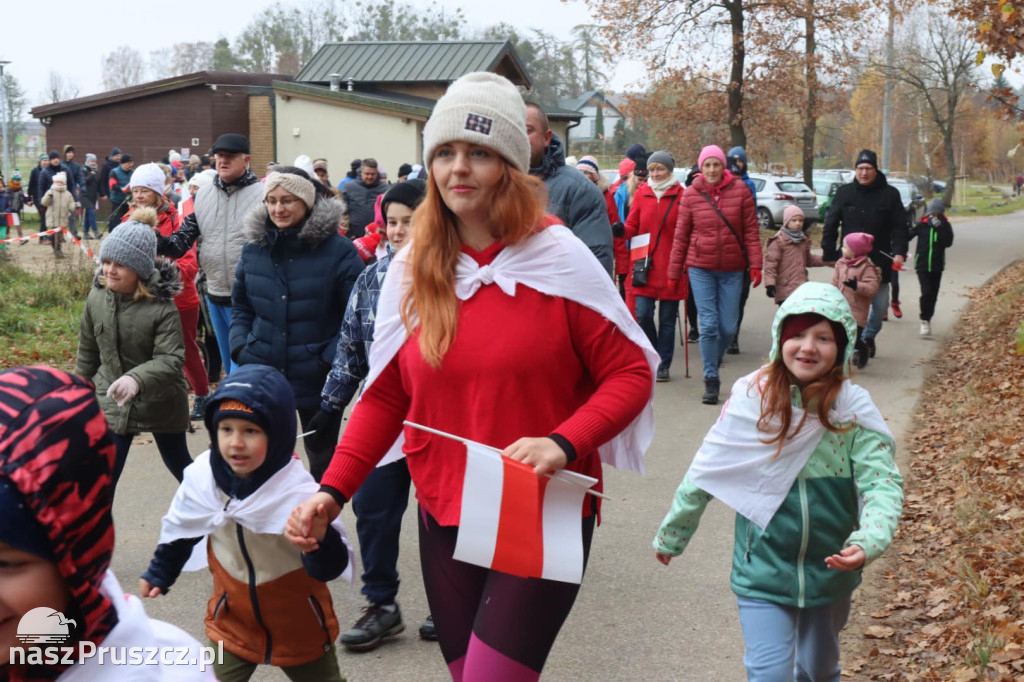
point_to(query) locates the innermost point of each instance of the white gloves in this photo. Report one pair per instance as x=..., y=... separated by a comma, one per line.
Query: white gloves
x=123, y=390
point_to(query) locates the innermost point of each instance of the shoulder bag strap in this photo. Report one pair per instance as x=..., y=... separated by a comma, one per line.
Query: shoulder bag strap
x=743, y=247
x=657, y=241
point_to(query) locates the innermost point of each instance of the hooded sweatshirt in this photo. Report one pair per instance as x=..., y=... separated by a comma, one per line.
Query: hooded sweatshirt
x=843, y=488
x=57, y=453
x=269, y=602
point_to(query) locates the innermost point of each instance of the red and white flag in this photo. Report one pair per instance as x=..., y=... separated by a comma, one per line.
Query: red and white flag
x=639, y=246
x=519, y=523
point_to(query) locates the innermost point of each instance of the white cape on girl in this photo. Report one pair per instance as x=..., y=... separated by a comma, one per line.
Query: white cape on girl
x=734, y=465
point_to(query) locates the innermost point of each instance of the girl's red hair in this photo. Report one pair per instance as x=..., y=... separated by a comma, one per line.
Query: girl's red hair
x=775, y=381
x=517, y=212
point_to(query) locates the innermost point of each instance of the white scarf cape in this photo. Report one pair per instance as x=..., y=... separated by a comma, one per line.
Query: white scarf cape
x=135, y=629
x=735, y=466
x=554, y=262
x=198, y=508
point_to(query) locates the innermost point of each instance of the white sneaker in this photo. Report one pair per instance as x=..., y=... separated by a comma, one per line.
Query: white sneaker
x=926, y=328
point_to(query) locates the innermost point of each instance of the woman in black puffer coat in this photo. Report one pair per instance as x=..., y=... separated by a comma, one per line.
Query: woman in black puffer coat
x=291, y=287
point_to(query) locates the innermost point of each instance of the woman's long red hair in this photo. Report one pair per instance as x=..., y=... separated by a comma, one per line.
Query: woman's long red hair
x=777, y=406
x=517, y=212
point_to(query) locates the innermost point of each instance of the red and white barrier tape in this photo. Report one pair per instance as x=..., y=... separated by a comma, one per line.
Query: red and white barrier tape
x=37, y=235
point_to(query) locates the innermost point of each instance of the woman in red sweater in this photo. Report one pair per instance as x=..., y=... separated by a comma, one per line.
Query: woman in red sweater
x=653, y=213
x=493, y=326
x=716, y=240
x=148, y=183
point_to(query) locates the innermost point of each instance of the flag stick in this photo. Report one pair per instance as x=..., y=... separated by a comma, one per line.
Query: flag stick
x=451, y=436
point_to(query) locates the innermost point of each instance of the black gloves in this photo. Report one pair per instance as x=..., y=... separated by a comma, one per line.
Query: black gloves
x=770, y=290
x=851, y=284
x=618, y=229
x=325, y=426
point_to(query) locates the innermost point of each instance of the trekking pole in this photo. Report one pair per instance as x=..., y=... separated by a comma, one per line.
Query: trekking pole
x=683, y=338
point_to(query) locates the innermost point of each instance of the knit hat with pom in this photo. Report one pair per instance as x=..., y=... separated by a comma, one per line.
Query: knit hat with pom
x=132, y=244
x=484, y=109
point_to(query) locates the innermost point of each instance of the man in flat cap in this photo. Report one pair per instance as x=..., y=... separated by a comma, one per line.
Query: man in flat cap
x=220, y=210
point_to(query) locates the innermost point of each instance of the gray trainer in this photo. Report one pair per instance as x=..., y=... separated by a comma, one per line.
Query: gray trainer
x=372, y=628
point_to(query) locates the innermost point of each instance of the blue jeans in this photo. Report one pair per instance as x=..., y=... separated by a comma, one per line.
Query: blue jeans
x=89, y=222
x=379, y=505
x=220, y=315
x=879, y=306
x=717, y=295
x=664, y=337
x=790, y=643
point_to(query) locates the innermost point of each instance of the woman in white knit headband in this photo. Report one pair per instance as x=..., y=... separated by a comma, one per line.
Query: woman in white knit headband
x=501, y=327
x=291, y=288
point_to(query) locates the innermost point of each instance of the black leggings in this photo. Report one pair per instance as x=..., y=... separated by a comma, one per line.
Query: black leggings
x=517, y=619
x=173, y=450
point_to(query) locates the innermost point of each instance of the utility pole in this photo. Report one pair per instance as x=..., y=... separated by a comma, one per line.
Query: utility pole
x=890, y=58
x=3, y=114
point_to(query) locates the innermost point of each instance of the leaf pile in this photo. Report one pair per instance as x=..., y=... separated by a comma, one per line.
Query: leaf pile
x=950, y=603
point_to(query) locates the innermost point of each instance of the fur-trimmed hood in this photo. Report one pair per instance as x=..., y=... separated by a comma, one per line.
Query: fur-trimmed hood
x=164, y=282
x=322, y=222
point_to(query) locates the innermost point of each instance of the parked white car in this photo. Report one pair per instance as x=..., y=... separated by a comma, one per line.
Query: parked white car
x=775, y=193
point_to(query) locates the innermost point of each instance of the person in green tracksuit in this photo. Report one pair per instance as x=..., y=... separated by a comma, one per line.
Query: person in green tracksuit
x=806, y=460
x=934, y=235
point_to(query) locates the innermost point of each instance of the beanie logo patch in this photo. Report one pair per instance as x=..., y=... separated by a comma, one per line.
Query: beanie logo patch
x=479, y=124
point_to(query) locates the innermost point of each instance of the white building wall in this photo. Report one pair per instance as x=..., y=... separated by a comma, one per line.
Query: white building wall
x=339, y=134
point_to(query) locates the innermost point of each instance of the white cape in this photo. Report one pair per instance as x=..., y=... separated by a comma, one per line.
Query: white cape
x=135, y=629
x=554, y=262
x=198, y=508
x=735, y=466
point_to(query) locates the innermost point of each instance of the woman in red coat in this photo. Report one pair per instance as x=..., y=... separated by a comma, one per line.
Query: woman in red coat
x=716, y=239
x=654, y=212
x=588, y=166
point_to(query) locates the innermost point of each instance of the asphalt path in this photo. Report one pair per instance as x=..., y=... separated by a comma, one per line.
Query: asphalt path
x=635, y=619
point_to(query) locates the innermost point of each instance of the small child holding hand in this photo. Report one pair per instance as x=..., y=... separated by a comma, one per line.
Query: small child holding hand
x=269, y=601
x=858, y=279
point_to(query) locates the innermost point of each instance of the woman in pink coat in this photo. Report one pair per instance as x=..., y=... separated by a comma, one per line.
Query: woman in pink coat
x=716, y=239
x=654, y=213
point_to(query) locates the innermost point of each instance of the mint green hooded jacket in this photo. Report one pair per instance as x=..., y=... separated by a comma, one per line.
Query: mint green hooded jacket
x=850, y=492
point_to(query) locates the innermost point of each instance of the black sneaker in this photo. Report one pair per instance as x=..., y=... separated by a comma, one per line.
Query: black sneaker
x=428, y=631
x=711, y=387
x=693, y=336
x=372, y=628
x=662, y=374
x=734, y=347
x=870, y=343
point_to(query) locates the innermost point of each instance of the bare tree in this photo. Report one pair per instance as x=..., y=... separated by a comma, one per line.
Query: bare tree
x=160, y=63
x=122, y=68
x=58, y=89
x=939, y=66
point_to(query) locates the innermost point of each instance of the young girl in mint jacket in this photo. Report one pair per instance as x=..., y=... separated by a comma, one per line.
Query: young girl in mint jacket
x=807, y=462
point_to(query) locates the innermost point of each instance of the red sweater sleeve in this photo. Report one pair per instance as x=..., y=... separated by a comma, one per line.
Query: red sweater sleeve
x=621, y=376
x=373, y=427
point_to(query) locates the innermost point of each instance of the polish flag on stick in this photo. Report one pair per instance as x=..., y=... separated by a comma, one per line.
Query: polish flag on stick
x=516, y=522
x=639, y=246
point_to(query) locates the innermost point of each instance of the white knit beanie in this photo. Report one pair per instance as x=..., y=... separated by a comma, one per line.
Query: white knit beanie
x=61, y=177
x=294, y=184
x=480, y=108
x=201, y=180
x=150, y=176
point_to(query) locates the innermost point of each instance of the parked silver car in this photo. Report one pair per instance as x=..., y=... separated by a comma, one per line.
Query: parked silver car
x=914, y=205
x=775, y=193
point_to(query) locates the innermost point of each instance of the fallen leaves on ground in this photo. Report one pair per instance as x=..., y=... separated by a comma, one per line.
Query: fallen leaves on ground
x=950, y=604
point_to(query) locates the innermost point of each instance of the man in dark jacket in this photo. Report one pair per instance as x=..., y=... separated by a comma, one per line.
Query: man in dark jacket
x=109, y=164
x=361, y=196
x=89, y=196
x=571, y=196
x=869, y=204
x=738, y=166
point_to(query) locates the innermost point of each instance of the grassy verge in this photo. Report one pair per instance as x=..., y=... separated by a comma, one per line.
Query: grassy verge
x=39, y=315
x=951, y=599
x=980, y=201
